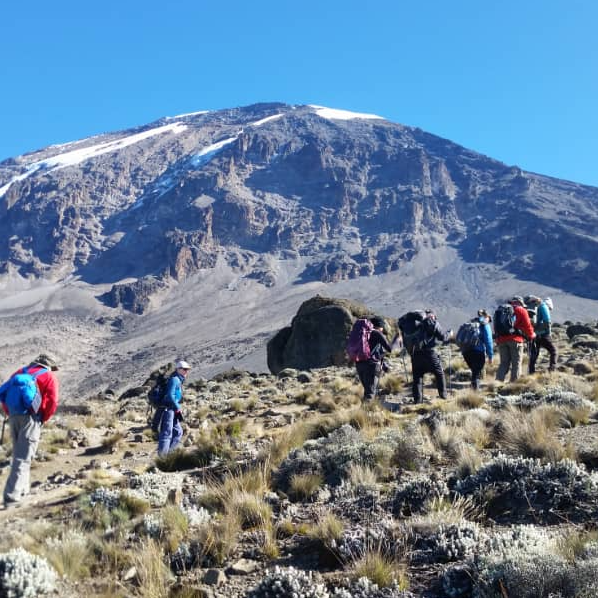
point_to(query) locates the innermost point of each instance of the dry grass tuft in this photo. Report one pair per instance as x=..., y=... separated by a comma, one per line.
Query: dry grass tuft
x=153, y=576
x=531, y=434
x=305, y=486
x=328, y=529
x=218, y=538
x=362, y=475
x=381, y=569
x=470, y=400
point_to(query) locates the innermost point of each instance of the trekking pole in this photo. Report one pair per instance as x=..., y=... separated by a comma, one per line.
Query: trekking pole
x=450, y=370
x=3, y=428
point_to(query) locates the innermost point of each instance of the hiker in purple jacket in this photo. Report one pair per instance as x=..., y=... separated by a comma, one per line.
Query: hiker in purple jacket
x=370, y=370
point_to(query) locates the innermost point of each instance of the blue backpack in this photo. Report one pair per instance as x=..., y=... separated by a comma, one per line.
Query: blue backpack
x=22, y=395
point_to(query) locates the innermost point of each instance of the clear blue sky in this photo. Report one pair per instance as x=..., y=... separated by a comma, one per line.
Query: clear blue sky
x=516, y=80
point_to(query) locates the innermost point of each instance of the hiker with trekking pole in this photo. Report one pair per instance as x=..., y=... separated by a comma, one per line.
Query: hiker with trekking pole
x=474, y=339
x=513, y=329
x=29, y=398
x=420, y=331
x=366, y=346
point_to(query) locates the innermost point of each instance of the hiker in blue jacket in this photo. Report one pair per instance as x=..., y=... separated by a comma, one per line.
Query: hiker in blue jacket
x=543, y=329
x=475, y=356
x=171, y=431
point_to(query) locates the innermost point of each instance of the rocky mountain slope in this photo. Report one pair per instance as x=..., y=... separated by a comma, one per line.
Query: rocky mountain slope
x=245, y=212
x=289, y=484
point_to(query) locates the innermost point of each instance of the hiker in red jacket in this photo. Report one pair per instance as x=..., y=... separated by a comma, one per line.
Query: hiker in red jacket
x=26, y=420
x=511, y=343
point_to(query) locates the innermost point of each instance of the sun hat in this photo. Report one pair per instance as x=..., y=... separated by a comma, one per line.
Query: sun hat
x=181, y=364
x=47, y=361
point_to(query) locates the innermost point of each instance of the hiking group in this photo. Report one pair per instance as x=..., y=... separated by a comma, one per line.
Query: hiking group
x=518, y=323
x=29, y=399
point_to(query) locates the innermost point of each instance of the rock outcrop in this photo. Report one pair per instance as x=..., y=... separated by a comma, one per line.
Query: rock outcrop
x=317, y=335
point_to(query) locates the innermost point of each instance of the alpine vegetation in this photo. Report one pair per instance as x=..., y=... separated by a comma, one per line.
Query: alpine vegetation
x=25, y=575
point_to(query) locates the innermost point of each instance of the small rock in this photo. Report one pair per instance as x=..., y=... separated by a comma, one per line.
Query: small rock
x=214, y=577
x=288, y=373
x=175, y=496
x=129, y=574
x=304, y=377
x=244, y=567
x=138, y=438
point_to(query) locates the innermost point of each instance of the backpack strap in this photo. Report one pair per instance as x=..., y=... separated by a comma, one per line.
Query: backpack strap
x=34, y=375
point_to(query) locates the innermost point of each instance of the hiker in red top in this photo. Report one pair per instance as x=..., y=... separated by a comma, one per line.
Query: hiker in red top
x=511, y=342
x=29, y=398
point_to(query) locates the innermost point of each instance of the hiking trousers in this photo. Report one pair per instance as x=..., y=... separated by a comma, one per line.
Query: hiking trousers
x=369, y=376
x=170, y=433
x=511, y=357
x=475, y=360
x=542, y=342
x=25, y=431
x=423, y=362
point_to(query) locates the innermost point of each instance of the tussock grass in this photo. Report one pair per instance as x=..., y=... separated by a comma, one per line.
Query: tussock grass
x=251, y=511
x=531, y=434
x=572, y=545
x=381, y=569
x=153, y=576
x=362, y=475
x=175, y=527
x=69, y=553
x=443, y=511
x=328, y=529
x=392, y=384
x=470, y=400
x=218, y=538
x=113, y=442
x=305, y=486
x=468, y=462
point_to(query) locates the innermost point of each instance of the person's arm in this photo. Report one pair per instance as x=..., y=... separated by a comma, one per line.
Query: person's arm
x=487, y=339
x=171, y=398
x=523, y=323
x=440, y=335
x=49, y=394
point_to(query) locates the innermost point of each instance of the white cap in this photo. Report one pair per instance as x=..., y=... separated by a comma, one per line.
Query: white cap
x=182, y=365
x=548, y=302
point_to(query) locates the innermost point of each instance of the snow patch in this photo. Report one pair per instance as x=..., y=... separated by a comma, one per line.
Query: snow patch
x=334, y=114
x=206, y=154
x=81, y=155
x=265, y=120
x=188, y=114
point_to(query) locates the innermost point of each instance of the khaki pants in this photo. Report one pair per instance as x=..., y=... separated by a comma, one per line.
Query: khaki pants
x=511, y=356
x=25, y=432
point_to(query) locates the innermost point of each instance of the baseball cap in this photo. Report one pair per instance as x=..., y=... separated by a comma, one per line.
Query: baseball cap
x=182, y=365
x=47, y=361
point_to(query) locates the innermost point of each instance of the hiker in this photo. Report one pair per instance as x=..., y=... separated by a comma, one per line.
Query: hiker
x=543, y=329
x=513, y=328
x=475, y=341
x=170, y=429
x=420, y=331
x=370, y=367
x=29, y=398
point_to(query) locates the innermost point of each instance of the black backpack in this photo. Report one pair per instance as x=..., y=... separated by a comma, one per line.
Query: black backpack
x=504, y=320
x=417, y=329
x=469, y=336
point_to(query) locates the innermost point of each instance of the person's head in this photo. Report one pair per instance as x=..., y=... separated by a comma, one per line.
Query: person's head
x=484, y=317
x=377, y=322
x=517, y=300
x=46, y=361
x=182, y=367
x=548, y=302
x=430, y=314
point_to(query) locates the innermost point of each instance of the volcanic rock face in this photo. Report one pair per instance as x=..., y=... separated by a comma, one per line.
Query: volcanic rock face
x=343, y=196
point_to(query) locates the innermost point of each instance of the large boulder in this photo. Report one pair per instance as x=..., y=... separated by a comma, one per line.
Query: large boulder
x=317, y=335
